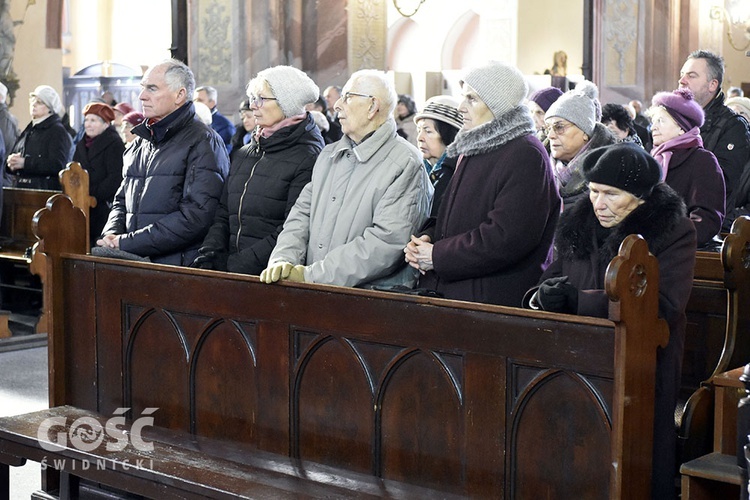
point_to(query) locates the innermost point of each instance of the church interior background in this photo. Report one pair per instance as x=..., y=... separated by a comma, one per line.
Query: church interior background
x=630, y=48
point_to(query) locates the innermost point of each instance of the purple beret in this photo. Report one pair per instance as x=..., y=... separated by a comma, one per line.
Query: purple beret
x=545, y=97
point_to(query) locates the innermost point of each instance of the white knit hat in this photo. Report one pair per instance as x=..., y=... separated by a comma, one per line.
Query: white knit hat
x=579, y=106
x=292, y=88
x=501, y=86
x=49, y=97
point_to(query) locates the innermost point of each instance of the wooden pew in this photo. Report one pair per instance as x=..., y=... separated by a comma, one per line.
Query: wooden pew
x=718, y=334
x=16, y=236
x=469, y=399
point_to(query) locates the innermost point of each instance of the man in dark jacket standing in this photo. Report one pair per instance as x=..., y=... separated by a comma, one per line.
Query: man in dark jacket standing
x=174, y=174
x=220, y=123
x=724, y=133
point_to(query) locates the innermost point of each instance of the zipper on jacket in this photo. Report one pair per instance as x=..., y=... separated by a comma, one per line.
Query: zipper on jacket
x=242, y=200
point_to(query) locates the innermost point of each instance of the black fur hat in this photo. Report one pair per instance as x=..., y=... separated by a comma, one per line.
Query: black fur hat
x=625, y=166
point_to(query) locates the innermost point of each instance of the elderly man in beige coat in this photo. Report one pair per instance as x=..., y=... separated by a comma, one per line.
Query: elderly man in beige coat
x=369, y=192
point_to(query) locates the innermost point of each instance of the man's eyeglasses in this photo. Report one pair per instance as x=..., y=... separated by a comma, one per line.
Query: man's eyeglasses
x=348, y=95
x=558, y=127
x=259, y=100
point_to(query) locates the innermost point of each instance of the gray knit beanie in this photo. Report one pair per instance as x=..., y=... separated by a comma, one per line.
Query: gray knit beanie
x=502, y=87
x=579, y=106
x=50, y=98
x=292, y=88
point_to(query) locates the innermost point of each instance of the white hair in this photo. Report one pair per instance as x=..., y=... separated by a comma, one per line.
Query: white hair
x=377, y=83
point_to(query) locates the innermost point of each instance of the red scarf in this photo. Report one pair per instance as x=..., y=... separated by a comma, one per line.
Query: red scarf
x=663, y=152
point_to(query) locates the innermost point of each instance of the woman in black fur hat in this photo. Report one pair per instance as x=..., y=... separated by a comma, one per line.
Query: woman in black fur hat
x=626, y=197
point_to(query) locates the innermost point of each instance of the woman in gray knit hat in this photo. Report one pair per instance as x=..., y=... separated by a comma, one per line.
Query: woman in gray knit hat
x=573, y=128
x=493, y=234
x=266, y=175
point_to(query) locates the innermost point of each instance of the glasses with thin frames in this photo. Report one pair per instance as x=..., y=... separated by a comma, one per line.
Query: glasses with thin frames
x=259, y=100
x=558, y=127
x=348, y=95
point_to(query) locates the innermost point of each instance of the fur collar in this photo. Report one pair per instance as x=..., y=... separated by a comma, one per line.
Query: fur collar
x=491, y=135
x=653, y=220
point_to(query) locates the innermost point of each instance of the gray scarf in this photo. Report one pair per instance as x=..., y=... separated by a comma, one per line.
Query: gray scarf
x=491, y=135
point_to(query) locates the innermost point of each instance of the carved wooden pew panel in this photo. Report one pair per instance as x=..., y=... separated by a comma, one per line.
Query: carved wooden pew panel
x=473, y=399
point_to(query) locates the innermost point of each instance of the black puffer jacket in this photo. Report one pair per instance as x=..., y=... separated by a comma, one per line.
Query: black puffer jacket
x=103, y=161
x=264, y=182
x=174, y=174
x=46, y=150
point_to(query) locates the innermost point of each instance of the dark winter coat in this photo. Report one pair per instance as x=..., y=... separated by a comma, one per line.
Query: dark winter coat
x=727, y=136
x=103, y=162
x=46, y=149
x=670, y=235
x=224, y=127
x=696, y=176
x=174, y=175
x=494, y=229
x=264, y=182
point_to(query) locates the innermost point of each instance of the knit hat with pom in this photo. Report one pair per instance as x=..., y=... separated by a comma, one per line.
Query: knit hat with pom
x=501, y=86
x=579, y=106
x=682, y=107
x=292, y=88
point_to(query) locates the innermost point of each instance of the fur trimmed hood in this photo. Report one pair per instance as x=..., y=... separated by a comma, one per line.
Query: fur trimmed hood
x=653, y=220
x=492, y=135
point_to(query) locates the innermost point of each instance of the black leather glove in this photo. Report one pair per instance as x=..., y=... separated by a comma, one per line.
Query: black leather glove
x=210, y=258
x=557, y=295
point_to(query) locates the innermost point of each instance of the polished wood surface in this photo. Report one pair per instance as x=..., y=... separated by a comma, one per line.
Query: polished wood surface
x=469, y=399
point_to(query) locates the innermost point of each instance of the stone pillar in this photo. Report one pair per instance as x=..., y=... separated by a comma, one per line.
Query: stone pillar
x=367, y=34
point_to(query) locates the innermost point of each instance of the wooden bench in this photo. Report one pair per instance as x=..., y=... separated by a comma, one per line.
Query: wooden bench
x=468, y=399
x=176, y=465
x=17, y=238
x=716, y=475
x=717, y=337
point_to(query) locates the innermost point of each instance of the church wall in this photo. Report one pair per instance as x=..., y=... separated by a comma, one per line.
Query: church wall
x=33, y=63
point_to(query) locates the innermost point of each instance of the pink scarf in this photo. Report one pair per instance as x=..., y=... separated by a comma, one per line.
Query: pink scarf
x=663, y=152
x=286, y=122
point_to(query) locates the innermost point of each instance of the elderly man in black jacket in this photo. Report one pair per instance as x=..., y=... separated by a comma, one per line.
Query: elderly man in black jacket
x=173, y=174
x=724, y=133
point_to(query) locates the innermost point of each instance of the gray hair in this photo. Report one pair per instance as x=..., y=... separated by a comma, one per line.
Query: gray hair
x=211, y=92
x=714, y=62
x=377, y=83
x=177, y=75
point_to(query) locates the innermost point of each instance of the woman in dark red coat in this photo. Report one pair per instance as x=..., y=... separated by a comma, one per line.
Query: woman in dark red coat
x=626, y=197
x=100, y=152
x=493, y=234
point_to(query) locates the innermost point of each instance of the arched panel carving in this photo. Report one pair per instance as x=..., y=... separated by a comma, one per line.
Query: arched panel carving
x=553, y=397
x=421, y=422
x=331, y=382
x=156, y=368
x=224, y=386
